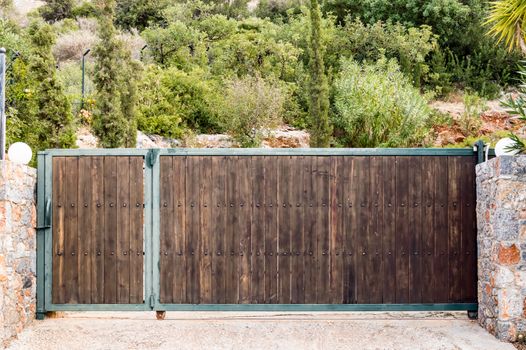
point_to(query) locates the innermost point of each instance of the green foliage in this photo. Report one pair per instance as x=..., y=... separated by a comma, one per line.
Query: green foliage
x=250, y=105
x=182, y=100
x=507, y=23
x=252, y=49
x=516, y=106
x=113, y=118
x=410, y=46
x=85, y=9
x=53, y=108
x=378, y=107
x=56, y=10
x=318, y=85
x=469, y=120
x=177, y=45
x=139, y=14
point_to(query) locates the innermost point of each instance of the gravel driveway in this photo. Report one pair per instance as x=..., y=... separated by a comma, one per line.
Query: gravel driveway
x=258, y=330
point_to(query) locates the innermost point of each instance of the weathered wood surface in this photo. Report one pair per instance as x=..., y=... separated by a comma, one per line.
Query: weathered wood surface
x=98, y=231
x=317, y=229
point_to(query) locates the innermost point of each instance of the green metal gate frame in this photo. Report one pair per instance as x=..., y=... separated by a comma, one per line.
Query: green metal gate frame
x=152, y=229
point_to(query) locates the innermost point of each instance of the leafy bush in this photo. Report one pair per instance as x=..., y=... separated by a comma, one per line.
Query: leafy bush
x=249, y=106
x=56, y=10
x=378, y=107
x=410, y=46
x=172, y=100
x=177, y=45
x=469, y=120
x=139, y=14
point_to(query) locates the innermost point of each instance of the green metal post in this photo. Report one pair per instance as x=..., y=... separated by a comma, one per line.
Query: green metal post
x=480, y=151
x=41, y=227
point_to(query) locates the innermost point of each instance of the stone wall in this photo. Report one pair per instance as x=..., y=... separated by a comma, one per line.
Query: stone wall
x=17, y=248
x=501, y=219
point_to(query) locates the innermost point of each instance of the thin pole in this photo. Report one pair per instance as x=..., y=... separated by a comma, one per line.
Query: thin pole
x=83, y=72
x=2, y=104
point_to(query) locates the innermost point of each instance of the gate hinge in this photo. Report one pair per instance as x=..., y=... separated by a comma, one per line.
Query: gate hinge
x=152, y=301
x=151, y=158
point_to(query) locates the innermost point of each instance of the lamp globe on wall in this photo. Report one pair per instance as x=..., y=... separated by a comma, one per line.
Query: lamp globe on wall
x=503, y=147
x=20, y=152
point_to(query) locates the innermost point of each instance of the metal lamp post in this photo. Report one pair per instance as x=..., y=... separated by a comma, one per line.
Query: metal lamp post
x=83, y=73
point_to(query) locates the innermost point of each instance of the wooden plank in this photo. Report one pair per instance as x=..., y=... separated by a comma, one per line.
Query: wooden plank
x=441, y=258
x=110, y=230
x=284, y=229
x=322, y=228
x=85, y=231
x=123, y=230
x=415, y=230
x=192, y=229
x=271, y=229
x=136, y=230
x=180, y=206
x=244, y=194
x=374, y=238
x=59, y=206
x=258, y=231
x=402, y=230
x=167, y=228
x=296, y=219
x=469, y=230
x=97, y=223
x=350, y=227
x=388, y=225
x=336, y=230
x=310, y=238
x=71, y=251
x=363, y=228
x=454, y=224
x=232, y=237
x=219, y=228
x=429, y=184
x=205, y=262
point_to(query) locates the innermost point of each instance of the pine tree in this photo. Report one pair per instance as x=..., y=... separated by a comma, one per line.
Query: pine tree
x=319, y=89
x=53, y=120
x=113, y=118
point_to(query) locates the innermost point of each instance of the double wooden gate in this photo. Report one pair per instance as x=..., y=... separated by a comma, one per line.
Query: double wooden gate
x=341, y=229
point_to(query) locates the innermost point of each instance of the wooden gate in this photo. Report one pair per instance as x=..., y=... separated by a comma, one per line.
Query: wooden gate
x=182, y=229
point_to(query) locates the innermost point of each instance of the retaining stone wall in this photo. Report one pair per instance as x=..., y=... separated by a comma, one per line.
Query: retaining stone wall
x=17, y=248
x=501, y=220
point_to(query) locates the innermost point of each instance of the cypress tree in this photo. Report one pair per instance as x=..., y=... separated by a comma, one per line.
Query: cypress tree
x=53, y=120
x=318, y=88
x=113, y=118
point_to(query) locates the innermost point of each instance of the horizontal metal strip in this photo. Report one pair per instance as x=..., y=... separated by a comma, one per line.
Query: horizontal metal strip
x=265, y=152
x=317, y=307
x=98, y=307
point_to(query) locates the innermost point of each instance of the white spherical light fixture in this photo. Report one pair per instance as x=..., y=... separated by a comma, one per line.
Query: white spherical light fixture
x=19, y=152
x=502, y=147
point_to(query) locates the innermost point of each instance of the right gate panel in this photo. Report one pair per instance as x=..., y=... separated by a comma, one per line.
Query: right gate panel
x=317, y=229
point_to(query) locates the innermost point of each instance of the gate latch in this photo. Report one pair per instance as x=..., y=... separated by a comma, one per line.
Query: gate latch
x=47, y=215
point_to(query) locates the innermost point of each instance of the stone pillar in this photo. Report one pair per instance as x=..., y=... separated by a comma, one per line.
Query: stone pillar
x=501, y=220
x=17, y=248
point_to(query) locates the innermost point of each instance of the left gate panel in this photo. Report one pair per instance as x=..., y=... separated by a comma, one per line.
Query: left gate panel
x=97, y=230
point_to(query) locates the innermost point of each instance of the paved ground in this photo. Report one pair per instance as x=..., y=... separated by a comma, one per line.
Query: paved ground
x=228, y=330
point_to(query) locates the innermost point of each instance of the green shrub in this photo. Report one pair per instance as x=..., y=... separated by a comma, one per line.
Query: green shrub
x=470, y=121
x=179, y=99
x=410, y=46
x=249, y=106
x=378, y=107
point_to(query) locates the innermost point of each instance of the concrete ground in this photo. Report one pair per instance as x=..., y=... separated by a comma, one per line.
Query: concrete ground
x=258, y=330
